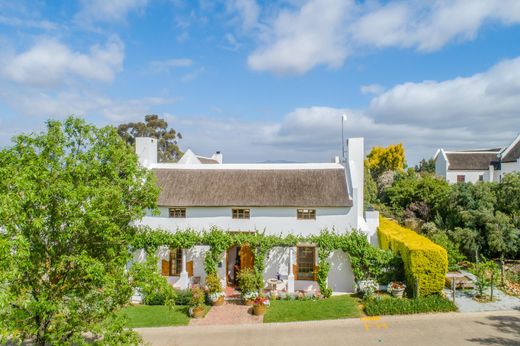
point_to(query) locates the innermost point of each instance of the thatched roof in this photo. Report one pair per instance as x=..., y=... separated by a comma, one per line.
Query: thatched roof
x=513, y=154
x=253, y=187
x=461, y=161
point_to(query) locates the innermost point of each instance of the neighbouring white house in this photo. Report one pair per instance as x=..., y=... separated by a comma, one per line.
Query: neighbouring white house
x=478, y=164
x=302, y=198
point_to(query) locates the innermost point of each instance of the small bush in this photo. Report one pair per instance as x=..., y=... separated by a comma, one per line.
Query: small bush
x=154, y=288
x=425, y=263
x=395, y=306
x=213, y=283
x=183, y=297
x=247, y=281
x=197, y=297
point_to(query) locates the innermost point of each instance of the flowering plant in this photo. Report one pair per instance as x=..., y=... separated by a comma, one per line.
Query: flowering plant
x=395, y=286
x=215, y=296
x=261, y=300
x=249, y=295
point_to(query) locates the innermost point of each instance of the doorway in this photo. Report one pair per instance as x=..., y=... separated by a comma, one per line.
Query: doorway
x=237, y=258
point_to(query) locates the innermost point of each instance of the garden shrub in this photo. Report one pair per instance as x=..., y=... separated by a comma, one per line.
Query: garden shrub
x=425, y=263
x=396, y=306
x=247, y=281
x=183, y=297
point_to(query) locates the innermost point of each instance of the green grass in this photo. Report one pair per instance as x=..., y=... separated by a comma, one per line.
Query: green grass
x=394, y=306
x=334, y=307
x=155, y=316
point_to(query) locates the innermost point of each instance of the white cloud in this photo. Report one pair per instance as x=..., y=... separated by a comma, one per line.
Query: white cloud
x=193, y=74
x=86, y=104
x=372, y=89
x=28, y=23
x=107, y=10
x=296, y=39
x=487, y=102
x=166, y=65
x=50, y=62
x=465, y=112
x=248, y=11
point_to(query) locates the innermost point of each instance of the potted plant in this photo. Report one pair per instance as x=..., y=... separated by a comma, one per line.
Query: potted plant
x=197, y=303
x=214, y=288
x=260, y=305
x=396, y=289
x=248, y=283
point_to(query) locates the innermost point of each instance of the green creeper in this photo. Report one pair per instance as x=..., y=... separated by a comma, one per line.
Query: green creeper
x=68, y=199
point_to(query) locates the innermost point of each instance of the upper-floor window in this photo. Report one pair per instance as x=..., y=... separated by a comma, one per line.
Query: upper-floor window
x=240, y=213
x=461, y=178
x=306, y=214
x=177, y=212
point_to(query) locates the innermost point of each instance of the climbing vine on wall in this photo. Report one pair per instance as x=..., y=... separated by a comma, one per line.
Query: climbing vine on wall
x=366, y=261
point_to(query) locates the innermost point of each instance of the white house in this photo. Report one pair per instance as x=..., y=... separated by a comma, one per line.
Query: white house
x=302, y=198
x=478, y=164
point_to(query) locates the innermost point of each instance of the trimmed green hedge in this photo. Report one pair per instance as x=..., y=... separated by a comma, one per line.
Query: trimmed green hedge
x=395, y=306
x=425, y=263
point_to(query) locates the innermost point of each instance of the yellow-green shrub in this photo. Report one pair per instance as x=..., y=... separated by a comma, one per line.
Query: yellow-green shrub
x=424, y=261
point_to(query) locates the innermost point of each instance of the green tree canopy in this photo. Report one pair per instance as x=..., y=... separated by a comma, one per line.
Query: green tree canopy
x=156, y=127
x=425, y=166
x=68, y=199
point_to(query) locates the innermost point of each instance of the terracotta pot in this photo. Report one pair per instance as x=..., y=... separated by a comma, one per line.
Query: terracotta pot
x=218, y=302
x=398, y=293
x=198, y=312
x=259, y=309
x=249, y=302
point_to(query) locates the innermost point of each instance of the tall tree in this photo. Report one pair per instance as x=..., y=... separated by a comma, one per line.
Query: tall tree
x=156, y=127
x=425, y=166
x=382, y=159
x=68, y=199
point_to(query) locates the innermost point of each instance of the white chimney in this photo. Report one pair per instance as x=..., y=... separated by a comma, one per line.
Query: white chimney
x=217, y=156
x=355, y=164
x=146, y=150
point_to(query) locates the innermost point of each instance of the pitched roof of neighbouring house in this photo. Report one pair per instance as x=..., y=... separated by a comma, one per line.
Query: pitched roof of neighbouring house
x=470, y=160
x=253, y=187
x=512, y=152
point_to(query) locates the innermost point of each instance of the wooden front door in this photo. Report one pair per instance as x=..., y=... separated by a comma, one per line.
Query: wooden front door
x=246, y=257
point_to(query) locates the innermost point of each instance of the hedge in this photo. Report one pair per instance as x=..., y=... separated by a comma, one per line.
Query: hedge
x=394, y=306
x=425, y=263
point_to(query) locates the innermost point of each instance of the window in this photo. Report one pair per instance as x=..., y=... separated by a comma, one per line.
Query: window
x=175, y=262
x=240, y=213
x=305, y=259
x=178, y=212
x=461, y=178
x=481, y=177
x=306, y=214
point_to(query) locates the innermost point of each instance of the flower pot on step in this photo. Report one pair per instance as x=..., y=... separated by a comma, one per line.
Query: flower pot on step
x=398, y=293
x=249, y=302
x=198, y=312
x=259, y=309
x=218, y=302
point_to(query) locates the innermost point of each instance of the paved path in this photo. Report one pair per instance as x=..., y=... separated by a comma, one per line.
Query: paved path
x=465, y=302
x=228, y=313
x=483, y=328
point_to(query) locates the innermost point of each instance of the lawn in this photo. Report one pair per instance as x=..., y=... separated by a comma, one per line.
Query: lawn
x=334, y=307
x=155, y=316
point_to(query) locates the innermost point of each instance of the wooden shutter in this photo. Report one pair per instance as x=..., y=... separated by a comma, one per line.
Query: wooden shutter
x=315, y=273
x=295, y=271
x=165, y=267
x=189, y=268
x=246, y=257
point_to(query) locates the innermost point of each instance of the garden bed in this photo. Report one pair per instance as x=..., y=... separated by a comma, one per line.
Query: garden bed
x=336, y=307
x=386, y=305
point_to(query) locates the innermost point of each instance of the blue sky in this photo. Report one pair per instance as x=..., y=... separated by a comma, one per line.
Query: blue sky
x=269, y=80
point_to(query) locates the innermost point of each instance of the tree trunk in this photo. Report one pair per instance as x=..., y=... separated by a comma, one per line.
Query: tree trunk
x=502, y=270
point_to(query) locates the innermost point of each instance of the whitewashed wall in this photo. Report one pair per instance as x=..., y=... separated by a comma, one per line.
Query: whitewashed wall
x=272, y=220
x=441, y=165
x=509, y=167
x=471, y=176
